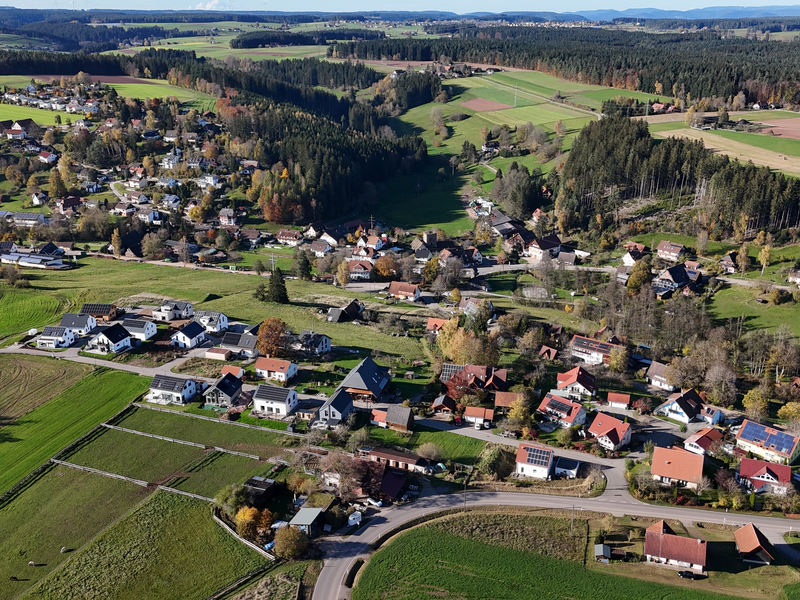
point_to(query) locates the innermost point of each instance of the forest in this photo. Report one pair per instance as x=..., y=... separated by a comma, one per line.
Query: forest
x=690, y=65
x=616, y=159
x=272, y=37
x=772, y=24
x=314, y=72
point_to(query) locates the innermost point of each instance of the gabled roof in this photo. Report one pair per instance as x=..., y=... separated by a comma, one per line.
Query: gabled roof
x=548, y=352
x=606, y=425
x=227, y=384
x=399, y=415
x=75, y=320
x=705, y=437
x=479, y=413
x=167, y=383
x=750, y=540
x=405, y=457
x=689, y=402
x=676, y=463
x=617, y=398
x=533, y=454
x=661, y=541
x=589, y=345
x=750, y=468
x=505, y=399
x=768, y=438
x=444, y=401
x=273, y=365
x=378, y=415
x=367, y=375
x=577, y=375
x=563, y=407
x=658, y=370
x=115, y=333
x=192, y=330
x=435, y=324
x=340, y=400
x=52, y=331
x=135, y=324
x=97, y=309
x=397, y=288
x=670, y=247
x=272, y=393
x=242, y=341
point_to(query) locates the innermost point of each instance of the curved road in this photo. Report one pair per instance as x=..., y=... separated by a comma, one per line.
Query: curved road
x=340, y=553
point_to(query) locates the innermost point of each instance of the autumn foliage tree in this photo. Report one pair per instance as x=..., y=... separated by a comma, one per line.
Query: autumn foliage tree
x=271, y=337
x=386, y=266
x=290, y=543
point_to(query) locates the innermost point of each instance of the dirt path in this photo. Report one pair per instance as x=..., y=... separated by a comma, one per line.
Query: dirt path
x=738, y=150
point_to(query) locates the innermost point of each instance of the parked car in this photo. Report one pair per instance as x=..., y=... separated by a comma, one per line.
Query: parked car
x=686, y=574
x=374, y=502
x=458, y=421
x=477, y=425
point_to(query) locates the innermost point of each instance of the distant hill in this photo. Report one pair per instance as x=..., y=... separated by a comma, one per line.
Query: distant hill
x=711, y=12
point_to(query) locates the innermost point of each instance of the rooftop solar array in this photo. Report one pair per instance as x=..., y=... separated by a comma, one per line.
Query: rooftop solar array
x=559, y=406
x=767, y=437
x=537, y=456
x=97, y=309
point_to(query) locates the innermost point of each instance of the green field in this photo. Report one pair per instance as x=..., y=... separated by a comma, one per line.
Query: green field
x=31, y=440
x=455, y=447
x=136, y=456
x=23, y=310
x=208, y=433
x=12, y=39
x=27, y=382
x=63, y=508
x=216, y=470
x=733, y=302
x=155, y=88
x=169, y=547
x=42, y=117
x=461, y=568
x=781, y=145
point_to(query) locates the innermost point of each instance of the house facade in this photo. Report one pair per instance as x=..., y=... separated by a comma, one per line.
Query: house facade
x=275, y=369
x=172, y=390
x=764, y=477
x=56, y=337
x=113, y=340
x=659, y=375
x=563, y=411
x=79, y=324
x=577, y=384
x=611, y=433
x=700, y=442
x=533, y=461
x=190, y=336
x=140, y=329
x=335, y=410
x=591, y=351
x=404, y=291
x=768, y=443
x=171, y=311
x=225, y=391
x=270, y=399
x=670, y=251
x=661, y=545
x=213, y=321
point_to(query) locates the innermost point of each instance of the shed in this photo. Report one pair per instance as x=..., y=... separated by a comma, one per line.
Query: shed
x=306, y=520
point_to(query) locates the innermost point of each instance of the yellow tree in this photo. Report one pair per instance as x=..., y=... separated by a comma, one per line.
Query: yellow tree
x=790, y=412
x=343, y=274
x=756, y=404
x=764, y=257
x=519, y=414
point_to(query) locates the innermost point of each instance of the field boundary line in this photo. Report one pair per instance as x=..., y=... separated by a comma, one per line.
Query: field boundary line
x=138, y=482
x=239, y=582
x=182, y=493
x=225, y=526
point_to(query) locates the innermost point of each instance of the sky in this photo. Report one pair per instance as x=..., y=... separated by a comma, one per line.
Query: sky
x=456, y=6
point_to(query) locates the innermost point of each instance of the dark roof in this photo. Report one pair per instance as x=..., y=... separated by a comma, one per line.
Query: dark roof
x=97, y=309
x=227, y=384
x=245, y=341
x=340, y=400
x=116, y=333
x=448, y=370
x=309, y=405
x=192, y=330
x=134, y=324
x=50, y=249
x=690, y=402
x=167, y=383
x=271, y=393
x=392, y=483
x=75, y=320
x=588, y=344
x=51, y=331
x=335, y=315
x=399, y=415
x=367, y=375
x=132, y=241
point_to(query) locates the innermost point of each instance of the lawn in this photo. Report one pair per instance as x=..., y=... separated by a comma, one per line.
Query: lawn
x=455, y=447
x=155, y=88
x=42, y=117
x=169, y=547
x=135, y=456
x=734, y=301
x=61, y=509
x=208, y=433
x=33, y=439
x=216, y=470
x=461, y=568
x=782, y=145
x=27, y=382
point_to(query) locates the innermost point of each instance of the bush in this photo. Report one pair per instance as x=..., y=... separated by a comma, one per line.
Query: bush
x=458, y=116
x=290, y=542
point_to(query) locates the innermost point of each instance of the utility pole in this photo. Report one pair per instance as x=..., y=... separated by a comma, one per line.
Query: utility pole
x=273, y=264
x=572, y=521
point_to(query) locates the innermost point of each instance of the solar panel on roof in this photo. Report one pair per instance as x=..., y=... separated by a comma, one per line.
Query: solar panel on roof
x=537, y=456
x=758, y=434
x=559, y=406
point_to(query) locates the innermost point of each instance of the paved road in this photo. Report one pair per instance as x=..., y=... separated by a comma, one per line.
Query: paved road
x=340, y=554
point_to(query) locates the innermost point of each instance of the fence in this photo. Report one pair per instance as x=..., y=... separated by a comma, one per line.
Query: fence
x=24, y=483
x=99, y=472
x=182, y=493
x=241, y=581
x=241, y=539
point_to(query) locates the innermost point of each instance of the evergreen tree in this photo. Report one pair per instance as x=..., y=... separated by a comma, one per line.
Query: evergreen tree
x=276, y=291
x=303, y=265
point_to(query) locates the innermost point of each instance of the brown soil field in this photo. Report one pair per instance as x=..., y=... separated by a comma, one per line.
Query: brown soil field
x=482, y=105
x=788, y=128
x=738, y=150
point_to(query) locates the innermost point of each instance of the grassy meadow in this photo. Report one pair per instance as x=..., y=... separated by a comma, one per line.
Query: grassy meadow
x=42, y=117
x=216, y=470
x=32, y=439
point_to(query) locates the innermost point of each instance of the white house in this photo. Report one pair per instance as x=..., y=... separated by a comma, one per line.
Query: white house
x=140, y=329
x=591, y=351
x=533, y=461
x=661, y=545
x=214, y=322
x=112, y=340
x=688, y=406
x=79, y=324
x=191, y=336
x=577, y=383
x=275, y=369
x=316, y=343
x=563, y=411
x=56, y=337
x=700, y=442
x=170, y=311
x=670, y=251
x=371, y=241
x=270, y=399
x=172, y=390
x=335, y=410
x=658, y=374
x=612, y=434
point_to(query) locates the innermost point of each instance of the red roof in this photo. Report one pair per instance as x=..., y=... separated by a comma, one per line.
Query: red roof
x=359, y=266
x=556, y=404
x=379, y=416
x=576, y=375
x=505, y=399
x=606, y=425
x=705, y=437
x=677, y=463
x=400, y=288
x=273, y=364
x=233, y=370
x=750, y=468
x=661, y=541
x=479, y=413
x=522, y=455
x=616, y=398
x=435, y=324
x=548, y=352
x=749, y=540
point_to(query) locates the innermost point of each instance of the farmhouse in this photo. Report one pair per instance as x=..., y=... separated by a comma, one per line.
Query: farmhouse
x=563, y=411
x=728, y=263
x=101, y=312
x=661, y=545
x=190, y=336
x=670, y=251
x=170, y=311
x=276, y=369
x=537, y=248
x=270, y=399
x=360, y=270
x=224, y=392
x=674, y=466
x=335, y=410
x=533, y=461
x=366, y=381
x=315, y=343
x=590, y=351
x=290, y=237
x=700, y=442
x=577, y=383
x=113, y=339
x=612, y=434
x=399, y=418
x=171, y=390
x=56, y=337
x=213, y=321
x=79, y=324
x=400, y=460
x=768, y=443
x=752, y=546
x=660, y=375
x=140, y=329
x=764, y=477
x=405, y=291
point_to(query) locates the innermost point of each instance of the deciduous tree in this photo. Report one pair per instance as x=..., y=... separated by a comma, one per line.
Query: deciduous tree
x=756, y=404
x=271, y=337
x=290, y=543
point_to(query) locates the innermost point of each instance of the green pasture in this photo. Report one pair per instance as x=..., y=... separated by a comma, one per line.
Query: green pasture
x=63, y=508
x=215, y=471
x=12, y=39
x=659, y=127
x=15, y=81
x=23, y=310
x=778, y=144
x=33, y=439
x=42, y=117
x=155, y=88
x=455, y=447
x=168, y=547
x=736, y=301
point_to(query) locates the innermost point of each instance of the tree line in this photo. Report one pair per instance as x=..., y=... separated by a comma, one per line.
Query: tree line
x=273, y=37
x=312, y=72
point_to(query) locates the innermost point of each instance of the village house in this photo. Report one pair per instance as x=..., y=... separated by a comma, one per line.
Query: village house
x=366, y=381
x=399, y=460
x=190, y=336
x=28, y=219
x=40, y=199
x=631, y=258
x=335, y=410
x=764, y=477
x=372, y=241
x=752, y=546
x=166, y=389
x=55, y=337
x=47, y=158
x=660, y=375
x=675, y=466
x=591, y=351
x=273, y=400
x=612, y=434
x=404, y=291
x=315, y=343
x=563, y=411
x=227, y=217
x=728, y=263
x=112, y=340
x=101, y=312
x=700, y=442
x=225, y=391
x=399, y=418
x=688, y=406
x=212, y=321
x=471, y=305
x=242, y=345
x=290, y=237
x=670, y=251
x=234, y=370
x=140, y=329
x=275, y=369
x=434, y=325
x=478, y=415
x=320, y=248
x=504, y=400
x=670, y=280
x=360, y=270
x=444, y=405
x=171, y=311
x=533, y=461
x=577, y=384
x=548, y=353
x=537, y=248
x=617, y=400
x=661, y=545
x=79, y=324
x=768, y=443
x=351, y=312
